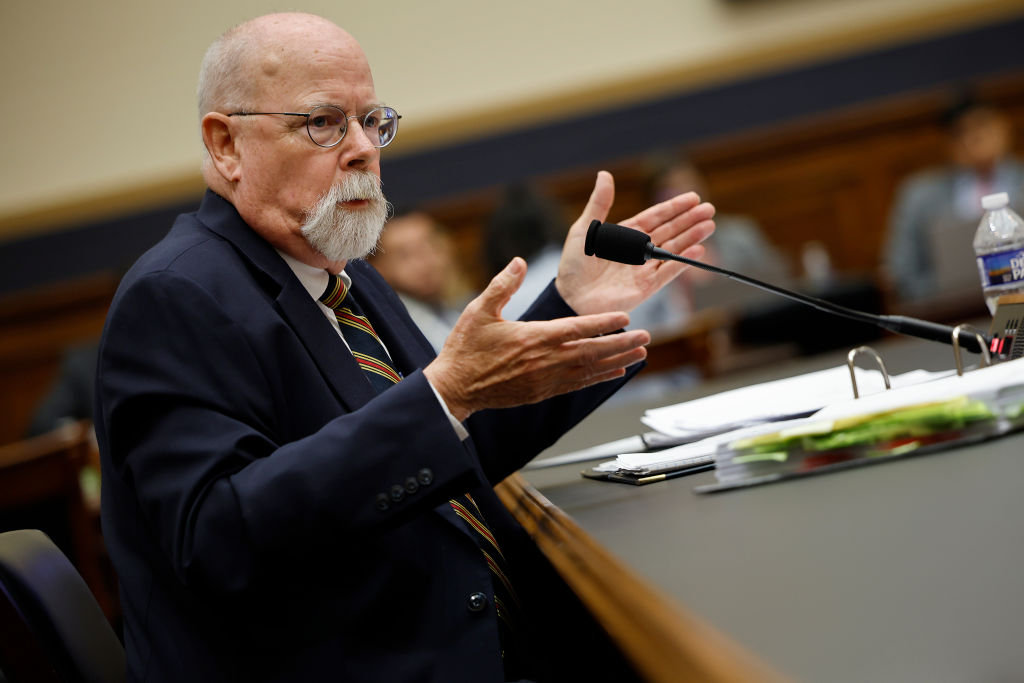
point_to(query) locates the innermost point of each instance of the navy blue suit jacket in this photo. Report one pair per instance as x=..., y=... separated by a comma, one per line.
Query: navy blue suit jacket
x=244, y=455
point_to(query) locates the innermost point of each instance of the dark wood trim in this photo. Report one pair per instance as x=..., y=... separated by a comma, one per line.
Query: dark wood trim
x=661, y=639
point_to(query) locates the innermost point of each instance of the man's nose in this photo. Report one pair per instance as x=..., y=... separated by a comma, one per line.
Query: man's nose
x=359, y=150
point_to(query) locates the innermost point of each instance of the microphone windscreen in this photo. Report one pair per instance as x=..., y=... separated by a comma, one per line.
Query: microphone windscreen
x=617, y=243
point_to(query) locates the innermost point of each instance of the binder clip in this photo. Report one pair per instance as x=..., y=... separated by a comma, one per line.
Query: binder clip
x=868, y=351
x=986, y=359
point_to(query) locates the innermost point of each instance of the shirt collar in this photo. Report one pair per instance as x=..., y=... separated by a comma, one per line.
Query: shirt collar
x=313, y=279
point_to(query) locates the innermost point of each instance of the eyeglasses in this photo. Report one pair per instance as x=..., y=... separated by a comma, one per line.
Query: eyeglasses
x=327, y=124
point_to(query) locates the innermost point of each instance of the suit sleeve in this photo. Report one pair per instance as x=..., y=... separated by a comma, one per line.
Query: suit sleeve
x=507, y=439
x=193, y=440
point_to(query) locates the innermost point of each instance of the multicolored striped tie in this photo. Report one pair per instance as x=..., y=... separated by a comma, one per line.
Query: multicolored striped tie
x=360, y=336
x=378, y=368
x=506, y=602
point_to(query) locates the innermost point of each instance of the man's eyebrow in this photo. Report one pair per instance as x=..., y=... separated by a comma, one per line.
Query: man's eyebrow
x=363, y=110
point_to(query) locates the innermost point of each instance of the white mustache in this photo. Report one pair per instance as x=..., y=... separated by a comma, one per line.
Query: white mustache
x=361, y=185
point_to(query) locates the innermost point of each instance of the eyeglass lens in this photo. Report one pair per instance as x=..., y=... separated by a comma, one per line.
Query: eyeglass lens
x=327, y=125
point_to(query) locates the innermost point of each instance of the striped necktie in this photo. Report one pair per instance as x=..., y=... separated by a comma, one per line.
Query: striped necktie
x=360, y=336
x=379, y=370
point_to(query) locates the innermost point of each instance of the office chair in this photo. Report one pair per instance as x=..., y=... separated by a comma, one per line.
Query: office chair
x=54, y=629
x=40, y=488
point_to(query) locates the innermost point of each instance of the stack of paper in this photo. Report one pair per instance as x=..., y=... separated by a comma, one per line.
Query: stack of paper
x=782, y=399
x=707, y=422
x=752, y=437
x=982, y=404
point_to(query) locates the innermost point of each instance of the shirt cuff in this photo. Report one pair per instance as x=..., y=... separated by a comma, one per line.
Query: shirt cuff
x=460, y=429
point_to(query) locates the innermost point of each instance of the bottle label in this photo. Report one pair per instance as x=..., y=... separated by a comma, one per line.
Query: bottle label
x=1001, y=268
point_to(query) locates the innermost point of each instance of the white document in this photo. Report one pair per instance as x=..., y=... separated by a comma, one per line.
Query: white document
x=689, y=454
x=996, y=384
x=1004, y=380
x=776, y=400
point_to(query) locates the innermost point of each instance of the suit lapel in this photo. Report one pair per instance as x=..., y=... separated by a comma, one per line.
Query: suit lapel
x=338, y=366
x=293, y=302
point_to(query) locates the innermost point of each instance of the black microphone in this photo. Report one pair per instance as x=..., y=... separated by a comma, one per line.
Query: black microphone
x=625, y=245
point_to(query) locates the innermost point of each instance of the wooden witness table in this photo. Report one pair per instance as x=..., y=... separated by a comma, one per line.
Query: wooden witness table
x=902, y=571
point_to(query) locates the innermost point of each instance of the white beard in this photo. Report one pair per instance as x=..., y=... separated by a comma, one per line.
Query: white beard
x=341, y=234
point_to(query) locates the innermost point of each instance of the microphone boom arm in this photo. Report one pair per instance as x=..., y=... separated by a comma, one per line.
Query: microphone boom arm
x=899, y=324
x=626, y=245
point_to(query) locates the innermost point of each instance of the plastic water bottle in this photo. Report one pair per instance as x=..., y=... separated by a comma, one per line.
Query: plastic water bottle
x=999, y=246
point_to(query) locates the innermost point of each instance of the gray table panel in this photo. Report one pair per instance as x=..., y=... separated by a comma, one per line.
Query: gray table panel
x=908, y=570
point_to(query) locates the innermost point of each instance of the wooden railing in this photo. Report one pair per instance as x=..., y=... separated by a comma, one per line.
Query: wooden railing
x=664, y=642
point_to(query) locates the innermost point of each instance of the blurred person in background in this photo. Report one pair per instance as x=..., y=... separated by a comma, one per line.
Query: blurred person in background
x=928, y=248
x=70, y=397
x=528, y=225
x=738, y=244
x=415, y=257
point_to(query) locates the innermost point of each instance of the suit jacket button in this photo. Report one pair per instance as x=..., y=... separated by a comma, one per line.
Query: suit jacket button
x=425, y=476
x=397, y=493
x=476, y=602
x=382, y=502
x=411, y=485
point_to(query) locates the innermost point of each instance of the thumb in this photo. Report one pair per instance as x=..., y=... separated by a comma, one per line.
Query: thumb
x=502, y=286
x=601, y=198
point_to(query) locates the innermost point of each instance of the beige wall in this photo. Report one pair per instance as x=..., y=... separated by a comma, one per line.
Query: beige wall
x=99, y=110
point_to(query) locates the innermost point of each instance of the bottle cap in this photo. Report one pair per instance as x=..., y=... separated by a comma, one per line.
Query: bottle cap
x=995, y=201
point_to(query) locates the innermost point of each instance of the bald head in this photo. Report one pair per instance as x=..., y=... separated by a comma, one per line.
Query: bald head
x=256, y=84
x=250, y=58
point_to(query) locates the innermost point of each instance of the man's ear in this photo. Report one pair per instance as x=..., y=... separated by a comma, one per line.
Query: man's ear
x=219, y=137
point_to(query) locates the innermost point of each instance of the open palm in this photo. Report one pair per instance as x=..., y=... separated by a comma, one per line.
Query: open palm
x=592, y=285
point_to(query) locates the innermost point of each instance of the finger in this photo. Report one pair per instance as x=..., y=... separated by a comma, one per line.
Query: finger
x=683, y=224
x=662, y=212
x=697, y=252
x=562, y=330
x=592, y=380
x=596, y=349
x=601, y=199
x=501, y=287
x=618, y=361
x=695, y=234
x=668, y=270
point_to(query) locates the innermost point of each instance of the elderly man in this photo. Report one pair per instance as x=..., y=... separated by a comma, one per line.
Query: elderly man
x=295, y=487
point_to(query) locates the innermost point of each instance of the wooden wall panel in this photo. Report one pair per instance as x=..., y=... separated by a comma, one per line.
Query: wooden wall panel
x=830, y=178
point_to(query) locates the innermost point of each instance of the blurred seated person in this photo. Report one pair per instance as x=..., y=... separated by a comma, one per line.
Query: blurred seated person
x=415, y=258
x=525, y=224
x=936, y=211
x=70, y=398
x=738, y=244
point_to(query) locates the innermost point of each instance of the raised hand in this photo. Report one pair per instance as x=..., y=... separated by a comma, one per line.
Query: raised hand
x=592, y=285
x=490, y=362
